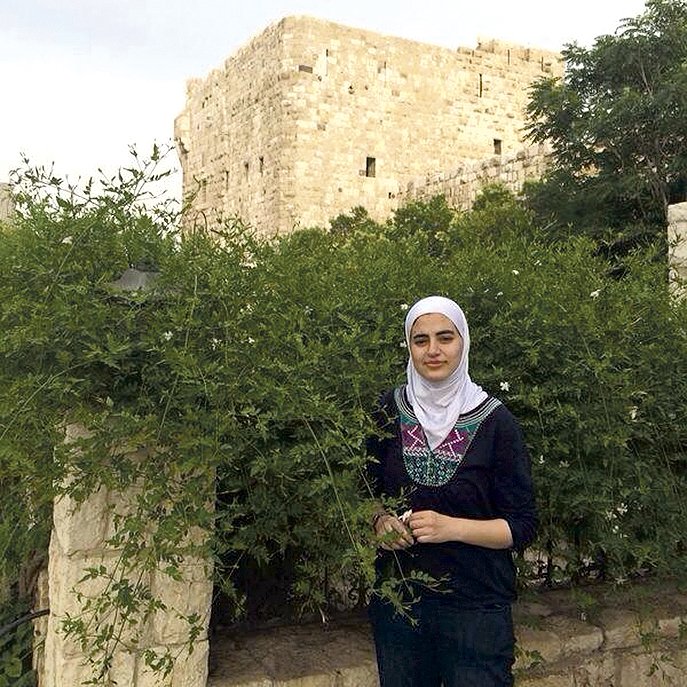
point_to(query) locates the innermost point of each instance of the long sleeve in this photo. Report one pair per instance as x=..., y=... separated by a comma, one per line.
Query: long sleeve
x=513, y=490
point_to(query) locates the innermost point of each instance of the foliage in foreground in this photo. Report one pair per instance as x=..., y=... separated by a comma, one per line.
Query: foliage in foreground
x=251, y=366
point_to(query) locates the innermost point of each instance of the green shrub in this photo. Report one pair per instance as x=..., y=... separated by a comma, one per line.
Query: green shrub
x=15, y=647
x=252, y=365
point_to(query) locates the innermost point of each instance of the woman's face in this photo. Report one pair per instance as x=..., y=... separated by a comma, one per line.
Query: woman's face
x=436, y=347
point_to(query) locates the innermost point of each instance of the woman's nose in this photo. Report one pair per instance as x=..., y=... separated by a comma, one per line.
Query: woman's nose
x=433, y=346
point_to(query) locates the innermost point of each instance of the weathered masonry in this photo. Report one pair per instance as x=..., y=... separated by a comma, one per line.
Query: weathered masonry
x=6, y=204
x=677, y=242
x=311, y=118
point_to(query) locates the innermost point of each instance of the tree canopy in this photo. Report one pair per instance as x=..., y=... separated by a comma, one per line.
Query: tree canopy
x=616, y=124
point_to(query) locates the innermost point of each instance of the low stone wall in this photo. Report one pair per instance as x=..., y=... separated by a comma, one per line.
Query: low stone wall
x=627, y=637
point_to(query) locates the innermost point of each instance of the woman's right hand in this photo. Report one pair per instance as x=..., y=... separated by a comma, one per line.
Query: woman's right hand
x=389, y=525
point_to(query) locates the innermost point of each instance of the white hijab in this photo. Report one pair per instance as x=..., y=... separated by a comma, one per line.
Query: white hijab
x=438, y=405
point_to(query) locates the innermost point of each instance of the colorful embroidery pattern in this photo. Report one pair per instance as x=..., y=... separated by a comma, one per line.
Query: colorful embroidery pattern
x=434, y=468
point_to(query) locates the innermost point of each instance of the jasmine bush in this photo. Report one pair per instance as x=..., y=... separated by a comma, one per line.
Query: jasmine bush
x=252, y=365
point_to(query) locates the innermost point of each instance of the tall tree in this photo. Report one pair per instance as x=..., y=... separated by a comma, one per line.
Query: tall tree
x=617, y=122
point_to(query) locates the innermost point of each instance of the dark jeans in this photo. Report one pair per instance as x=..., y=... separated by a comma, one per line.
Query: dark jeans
x=449, y=645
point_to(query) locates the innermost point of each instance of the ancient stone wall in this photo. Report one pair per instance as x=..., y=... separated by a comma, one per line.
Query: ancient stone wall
x=461, y=185
x=312, y=118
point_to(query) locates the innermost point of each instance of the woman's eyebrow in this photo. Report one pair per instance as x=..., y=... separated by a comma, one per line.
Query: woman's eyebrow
x=442, y=332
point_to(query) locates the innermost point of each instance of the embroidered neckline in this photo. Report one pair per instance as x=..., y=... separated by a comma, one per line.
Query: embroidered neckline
x=436, y=467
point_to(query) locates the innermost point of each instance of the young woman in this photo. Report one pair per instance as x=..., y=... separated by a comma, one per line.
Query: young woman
x=454, y=458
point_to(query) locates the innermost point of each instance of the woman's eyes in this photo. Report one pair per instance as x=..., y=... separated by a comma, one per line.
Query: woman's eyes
x=424, y=340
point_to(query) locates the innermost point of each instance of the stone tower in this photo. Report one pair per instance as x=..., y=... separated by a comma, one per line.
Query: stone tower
x=311, y=118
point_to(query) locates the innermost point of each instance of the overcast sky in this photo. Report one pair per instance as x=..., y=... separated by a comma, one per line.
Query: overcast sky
x=82, y=80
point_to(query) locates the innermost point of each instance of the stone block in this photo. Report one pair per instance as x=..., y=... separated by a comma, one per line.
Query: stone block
x=67, y=672
x=232, y=664
x=363, y=675
x=243, y=681
x=191, y=595
x=579, y=638
x=677, y=213
x=190, y=670
x=671, y=627
x=621, y=629
x=565, y=680
x=65, y=574
x=123, y=669
x=146, y=677
x=648, y=670
x=80, y=527
x=596, y=671
x=677, y=239
x=119, y=506
x=535, y=645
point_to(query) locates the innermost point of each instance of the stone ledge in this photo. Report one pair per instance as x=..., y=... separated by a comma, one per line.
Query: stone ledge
x=628, y=637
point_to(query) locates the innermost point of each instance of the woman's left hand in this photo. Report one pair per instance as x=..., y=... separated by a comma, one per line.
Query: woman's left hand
x=430, y=527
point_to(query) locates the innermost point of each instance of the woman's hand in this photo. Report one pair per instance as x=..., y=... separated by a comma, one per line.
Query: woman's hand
x=393, y=533
x=430, y=527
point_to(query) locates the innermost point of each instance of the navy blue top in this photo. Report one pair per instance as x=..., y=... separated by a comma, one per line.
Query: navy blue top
x=491, y=479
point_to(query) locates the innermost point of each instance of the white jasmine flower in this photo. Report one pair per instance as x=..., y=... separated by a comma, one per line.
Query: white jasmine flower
x=404, y=306
x=500, y=293
x=166, y=336
x=621, y=509
x=541, y=460
x=251, y=340
x=515, y=272
x=403, y=345
x=215, y=342
x=595, y=294
x=67, y=239
x=633, y=413
x=564, y=464
x=307, y=310
x=505, y=386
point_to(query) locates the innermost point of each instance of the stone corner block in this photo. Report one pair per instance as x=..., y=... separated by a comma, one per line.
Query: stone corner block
x=621, y=629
